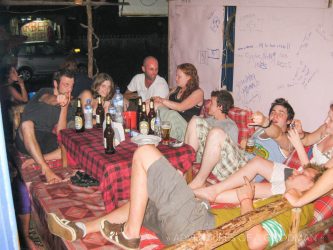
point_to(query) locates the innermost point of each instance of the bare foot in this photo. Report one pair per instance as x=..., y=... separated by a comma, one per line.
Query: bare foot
x=51, y=177
x=205, y=193
x=28, y=163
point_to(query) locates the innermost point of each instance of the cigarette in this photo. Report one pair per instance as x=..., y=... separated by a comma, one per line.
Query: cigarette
x=20, y=76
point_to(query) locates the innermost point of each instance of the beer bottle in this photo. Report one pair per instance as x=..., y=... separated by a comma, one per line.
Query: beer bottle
x=99, y=113
x=151, y=117
x=144, y=123
x=108, y=136
x=79, y=117
x=139, y=112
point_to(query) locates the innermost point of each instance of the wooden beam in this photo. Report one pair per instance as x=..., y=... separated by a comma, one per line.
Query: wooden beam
x=89, y=39
x=210, y=239
x=54, y=3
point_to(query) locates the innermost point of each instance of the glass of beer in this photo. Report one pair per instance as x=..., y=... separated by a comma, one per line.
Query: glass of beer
x=250, y=145
x=165, y=132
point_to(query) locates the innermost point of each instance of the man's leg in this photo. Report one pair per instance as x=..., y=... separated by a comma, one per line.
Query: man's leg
x=71, y=231
x=143, y=158
x=214, y=144
x=27, y=133
x=256, y=166
x=132, y=212
x=54, y=155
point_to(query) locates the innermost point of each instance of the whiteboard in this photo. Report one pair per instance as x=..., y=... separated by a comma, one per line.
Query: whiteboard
x=288, y=53
x=196, y=36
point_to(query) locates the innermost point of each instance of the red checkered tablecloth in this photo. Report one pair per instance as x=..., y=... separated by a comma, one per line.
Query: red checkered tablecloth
x=114, y=171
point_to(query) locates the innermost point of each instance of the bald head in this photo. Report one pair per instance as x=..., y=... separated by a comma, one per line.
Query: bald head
x=150, y=59
x=150, y=68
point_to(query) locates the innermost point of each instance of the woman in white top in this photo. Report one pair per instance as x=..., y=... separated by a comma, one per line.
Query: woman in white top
x=322, y=140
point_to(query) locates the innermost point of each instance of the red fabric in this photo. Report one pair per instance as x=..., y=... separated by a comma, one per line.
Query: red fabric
x=75, y=204
x=114, y=171
x=241, y=117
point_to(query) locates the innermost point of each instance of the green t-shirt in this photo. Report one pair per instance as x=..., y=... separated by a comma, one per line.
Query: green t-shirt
x=224, y=215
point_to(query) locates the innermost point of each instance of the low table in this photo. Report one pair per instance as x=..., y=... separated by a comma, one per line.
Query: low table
x=114, y=171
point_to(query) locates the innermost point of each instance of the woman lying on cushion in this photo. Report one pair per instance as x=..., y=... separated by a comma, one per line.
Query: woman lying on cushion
x=322, y=138
x=184, y=101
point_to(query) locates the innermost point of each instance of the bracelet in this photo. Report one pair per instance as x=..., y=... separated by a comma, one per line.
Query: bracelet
x=303, y=136
x=244, y=200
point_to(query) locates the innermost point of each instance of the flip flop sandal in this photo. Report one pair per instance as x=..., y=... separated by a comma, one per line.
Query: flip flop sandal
x=79, y=182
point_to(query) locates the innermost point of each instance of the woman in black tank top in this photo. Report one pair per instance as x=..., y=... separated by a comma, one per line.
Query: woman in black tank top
x=187, y=97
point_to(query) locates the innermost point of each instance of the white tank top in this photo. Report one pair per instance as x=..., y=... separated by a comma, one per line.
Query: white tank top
x=318, y=157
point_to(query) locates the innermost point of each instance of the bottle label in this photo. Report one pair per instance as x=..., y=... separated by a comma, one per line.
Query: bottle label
x=78, y=122
x=105, y=143
x=152, y=124
x=98, y=119
x=144, y=127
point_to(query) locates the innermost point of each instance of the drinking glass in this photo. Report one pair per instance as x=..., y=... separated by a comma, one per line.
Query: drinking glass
x=165, y=132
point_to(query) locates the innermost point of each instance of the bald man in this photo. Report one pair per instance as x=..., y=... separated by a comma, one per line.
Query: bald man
x=147, y=84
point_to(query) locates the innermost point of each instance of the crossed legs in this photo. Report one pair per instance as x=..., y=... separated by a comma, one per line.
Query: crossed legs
x=254, y=167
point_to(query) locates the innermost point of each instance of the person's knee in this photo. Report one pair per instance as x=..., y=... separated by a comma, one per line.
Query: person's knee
x=193, y=122
x=217, y=133
x=145, y=151
x=190, y=128
x=145, y=155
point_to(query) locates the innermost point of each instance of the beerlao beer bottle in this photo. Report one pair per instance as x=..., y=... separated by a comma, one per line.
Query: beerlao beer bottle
x=108, y=136
x=99, y=113
x=151, y=117
x=144, y=123
x=79, y=117
x=139, y=113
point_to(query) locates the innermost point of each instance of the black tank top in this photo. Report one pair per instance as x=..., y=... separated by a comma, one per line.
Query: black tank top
x=186, y=114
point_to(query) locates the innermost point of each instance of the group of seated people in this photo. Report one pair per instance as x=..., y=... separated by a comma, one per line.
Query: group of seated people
x=160, y=198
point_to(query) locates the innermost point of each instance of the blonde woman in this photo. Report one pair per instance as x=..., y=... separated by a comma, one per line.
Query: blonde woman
x=322, y=140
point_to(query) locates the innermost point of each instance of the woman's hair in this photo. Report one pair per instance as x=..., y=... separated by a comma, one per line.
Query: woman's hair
x=319, y=168
x=193, y=83
x=4, y=73
x=331, y=106
x=99, y=79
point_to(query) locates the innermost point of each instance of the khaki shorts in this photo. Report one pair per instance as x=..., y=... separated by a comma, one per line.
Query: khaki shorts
x=232, y=157
x=172, y=212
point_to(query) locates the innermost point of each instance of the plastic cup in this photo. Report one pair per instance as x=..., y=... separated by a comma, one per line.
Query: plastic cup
x=129, y=120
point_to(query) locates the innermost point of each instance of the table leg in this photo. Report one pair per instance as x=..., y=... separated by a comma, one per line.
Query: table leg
x=189, y=175
x=64, y=156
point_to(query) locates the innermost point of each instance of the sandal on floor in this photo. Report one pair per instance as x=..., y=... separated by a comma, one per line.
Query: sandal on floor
x=114, y=233
x=82, y=179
